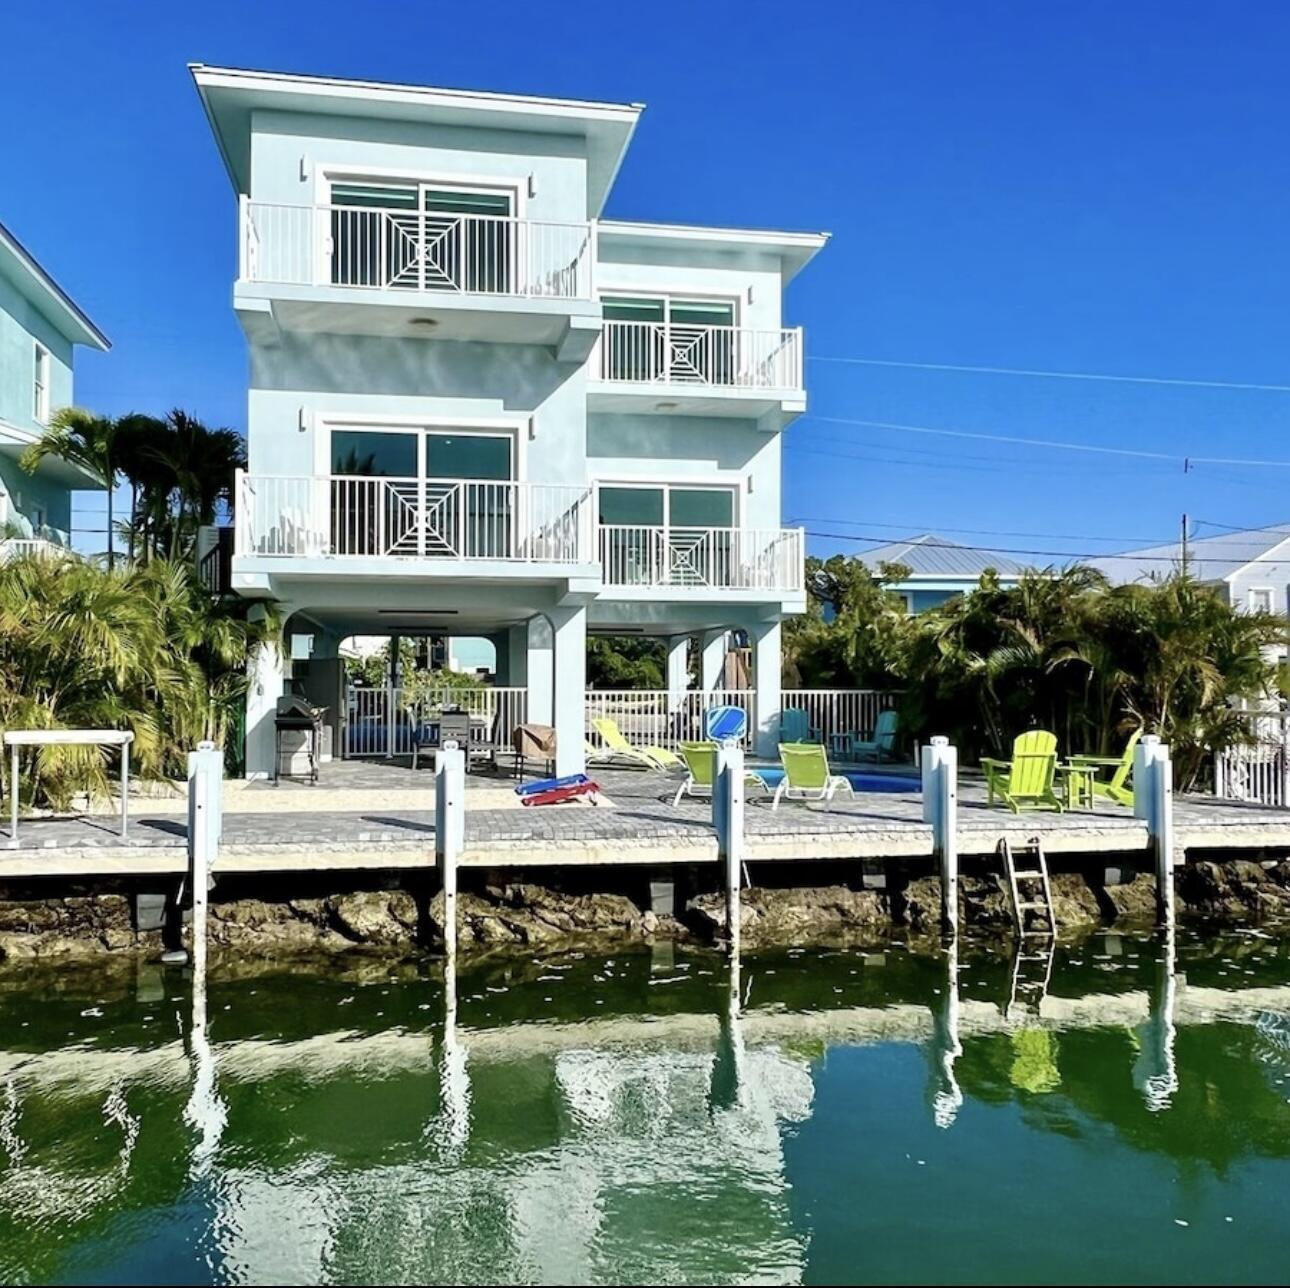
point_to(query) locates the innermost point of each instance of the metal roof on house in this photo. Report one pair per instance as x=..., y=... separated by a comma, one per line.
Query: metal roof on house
x=35, y=284
x=932, y=556
x=1208, y=558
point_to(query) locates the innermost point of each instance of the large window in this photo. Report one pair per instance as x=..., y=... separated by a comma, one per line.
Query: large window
x=429, y=492
x=667, y=534
x=669, y=339
x=419, y=236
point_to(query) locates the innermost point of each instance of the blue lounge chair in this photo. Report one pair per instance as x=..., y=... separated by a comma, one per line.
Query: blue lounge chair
x=795, y=726
x=882, y=746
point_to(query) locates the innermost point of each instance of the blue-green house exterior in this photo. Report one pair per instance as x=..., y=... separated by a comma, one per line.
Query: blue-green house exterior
x=433, y=269
x=40, y=327
x=938, y=569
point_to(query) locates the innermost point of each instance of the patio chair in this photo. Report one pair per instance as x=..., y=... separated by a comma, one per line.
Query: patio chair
x=1026, y=781
x=619, y=748
x=795, y=726
x=882, y=746
x=807, y=776
x=701, y=763
x=1119, y=786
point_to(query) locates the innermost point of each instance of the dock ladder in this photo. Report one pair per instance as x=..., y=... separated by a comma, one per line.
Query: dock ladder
x=1028, y=886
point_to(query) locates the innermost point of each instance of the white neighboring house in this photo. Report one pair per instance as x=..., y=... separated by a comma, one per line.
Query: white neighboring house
x=1250, y=568
x=479, y=407
x=40, y=326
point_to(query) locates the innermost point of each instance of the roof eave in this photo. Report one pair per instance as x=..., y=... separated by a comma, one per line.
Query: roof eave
x=71, y=320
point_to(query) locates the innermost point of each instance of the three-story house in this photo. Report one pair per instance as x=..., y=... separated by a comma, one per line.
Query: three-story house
x=478, y=408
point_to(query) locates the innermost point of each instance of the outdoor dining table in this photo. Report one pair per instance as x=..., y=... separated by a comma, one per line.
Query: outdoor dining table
x=15, y=739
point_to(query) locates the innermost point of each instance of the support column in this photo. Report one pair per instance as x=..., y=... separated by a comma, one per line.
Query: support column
x=728, y=822
x=268, y=671
x=539, y=670
x=678, y=669
x=712, y=659
x=570, y=674
x=396, y=661
x=767, y=698
x=939, y=763
x=449, y=833
x=1153, y=802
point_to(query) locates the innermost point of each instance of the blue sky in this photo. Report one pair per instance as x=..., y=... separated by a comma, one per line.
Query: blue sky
x=1088, y=187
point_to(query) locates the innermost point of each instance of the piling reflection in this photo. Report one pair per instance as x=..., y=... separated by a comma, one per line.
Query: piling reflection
x=579, y=1117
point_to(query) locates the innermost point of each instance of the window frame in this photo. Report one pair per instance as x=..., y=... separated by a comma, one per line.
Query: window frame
x=40, y=377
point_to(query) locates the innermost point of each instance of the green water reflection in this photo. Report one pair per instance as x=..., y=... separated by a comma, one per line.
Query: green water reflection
x=1119, y=1113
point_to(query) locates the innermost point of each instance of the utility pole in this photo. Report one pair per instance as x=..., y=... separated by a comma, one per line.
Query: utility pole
x=1184, y=545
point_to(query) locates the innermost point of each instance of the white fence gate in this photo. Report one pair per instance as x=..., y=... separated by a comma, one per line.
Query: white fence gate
x=1259, y=770
x=382, y=721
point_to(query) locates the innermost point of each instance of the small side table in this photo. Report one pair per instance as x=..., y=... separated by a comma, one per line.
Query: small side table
x=1077, y=783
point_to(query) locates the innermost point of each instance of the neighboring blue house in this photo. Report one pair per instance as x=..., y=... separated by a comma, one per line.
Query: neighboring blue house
x=40, y=326
x=938, y=569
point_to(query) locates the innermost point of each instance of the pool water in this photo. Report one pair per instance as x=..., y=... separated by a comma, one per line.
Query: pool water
x=858, y=778
x=860, y=1116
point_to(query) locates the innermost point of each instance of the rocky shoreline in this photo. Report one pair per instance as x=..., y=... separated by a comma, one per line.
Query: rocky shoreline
x=529, y=917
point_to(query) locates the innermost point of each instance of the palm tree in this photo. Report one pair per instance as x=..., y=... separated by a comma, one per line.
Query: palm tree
x=85, y=439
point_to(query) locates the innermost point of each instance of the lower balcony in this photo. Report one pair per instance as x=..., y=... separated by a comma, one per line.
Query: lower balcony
x=501, y=529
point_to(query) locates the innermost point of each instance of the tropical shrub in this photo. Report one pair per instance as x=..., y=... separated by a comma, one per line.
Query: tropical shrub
x=140, y=648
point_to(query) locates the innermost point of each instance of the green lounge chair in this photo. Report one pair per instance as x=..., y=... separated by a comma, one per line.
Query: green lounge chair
x=795, y=726
x=1026, y=781
x=807, y=776
x=617, y=747
x=882, y=746
x=701, y=762
x=1119, y=786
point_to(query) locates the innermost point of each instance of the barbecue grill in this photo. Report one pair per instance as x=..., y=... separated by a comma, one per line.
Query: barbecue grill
x=295, y=715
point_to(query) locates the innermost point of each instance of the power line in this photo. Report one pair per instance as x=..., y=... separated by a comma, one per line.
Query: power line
x=983, y=532
x=1185, y=461
x=1002, y=550
x=1055, y=375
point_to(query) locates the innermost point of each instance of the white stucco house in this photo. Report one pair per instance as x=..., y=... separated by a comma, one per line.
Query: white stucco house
x=479, y=407
x=40, y=329
x=1250, y=568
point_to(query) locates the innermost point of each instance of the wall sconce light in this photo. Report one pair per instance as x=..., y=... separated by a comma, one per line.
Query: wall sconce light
x=750, y=485
x=302, y=420
x=304, y=169
x=532, y=428
x=532, y=185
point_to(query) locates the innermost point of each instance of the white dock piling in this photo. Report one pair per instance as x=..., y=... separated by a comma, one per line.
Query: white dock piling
x=205, y=825
x=1153, y=802
x=939, y=763
x=728, y=820
x=449, y=832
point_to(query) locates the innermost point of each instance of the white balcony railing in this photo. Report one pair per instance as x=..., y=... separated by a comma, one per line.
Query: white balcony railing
x=415, y=251
x=351, y=517
x=357, y=517
x=716, y=558
x=24, y=547
x=719, y=357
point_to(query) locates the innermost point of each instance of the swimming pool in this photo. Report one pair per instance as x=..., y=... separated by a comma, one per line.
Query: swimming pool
x=860, y=780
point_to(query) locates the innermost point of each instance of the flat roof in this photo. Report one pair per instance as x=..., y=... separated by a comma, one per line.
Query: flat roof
x=230, y=94
x=38, y=286
x=794, y=249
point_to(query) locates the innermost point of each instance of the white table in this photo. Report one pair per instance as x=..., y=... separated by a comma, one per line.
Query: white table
x=17, y=738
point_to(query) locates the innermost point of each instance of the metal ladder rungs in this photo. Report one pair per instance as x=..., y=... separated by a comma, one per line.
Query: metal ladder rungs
x=1020, y=907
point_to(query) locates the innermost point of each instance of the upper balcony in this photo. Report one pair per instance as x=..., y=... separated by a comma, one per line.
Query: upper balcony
x=673, y=368
x=425, y=273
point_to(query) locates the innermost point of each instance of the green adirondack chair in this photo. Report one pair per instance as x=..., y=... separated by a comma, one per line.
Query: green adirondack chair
x=1026, y=781
x=1119, y=786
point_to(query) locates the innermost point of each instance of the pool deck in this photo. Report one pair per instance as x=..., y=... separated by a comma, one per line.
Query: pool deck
x=299, y=828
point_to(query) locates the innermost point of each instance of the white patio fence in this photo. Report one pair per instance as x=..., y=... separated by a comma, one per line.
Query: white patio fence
x=1258, y=771
x=381, y=721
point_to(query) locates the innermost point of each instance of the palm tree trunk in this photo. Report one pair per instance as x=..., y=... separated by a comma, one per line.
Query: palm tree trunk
x=111, y=536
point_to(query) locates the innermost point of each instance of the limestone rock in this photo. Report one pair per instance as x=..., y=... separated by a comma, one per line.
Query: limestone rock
x=796, y=915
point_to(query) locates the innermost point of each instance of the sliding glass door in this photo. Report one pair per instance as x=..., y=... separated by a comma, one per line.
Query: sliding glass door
x=666, y=534
x=419, y=236
x=669, y=340
x=435, y=493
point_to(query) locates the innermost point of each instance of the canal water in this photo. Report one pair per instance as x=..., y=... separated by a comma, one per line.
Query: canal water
x=1119, y=1114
